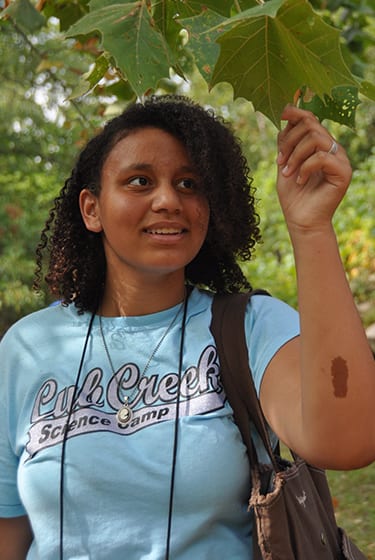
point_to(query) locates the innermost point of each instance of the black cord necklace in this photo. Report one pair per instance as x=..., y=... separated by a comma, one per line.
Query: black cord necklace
x=63, y=445
x=175, y=438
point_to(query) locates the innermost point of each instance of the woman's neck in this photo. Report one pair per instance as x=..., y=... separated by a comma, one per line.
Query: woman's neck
x=141, y=298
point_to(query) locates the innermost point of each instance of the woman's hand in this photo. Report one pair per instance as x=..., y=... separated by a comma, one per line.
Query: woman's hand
x=312, y=176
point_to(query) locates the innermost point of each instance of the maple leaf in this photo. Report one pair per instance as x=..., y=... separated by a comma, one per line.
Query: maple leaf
x=128, y=33
x=274, y=49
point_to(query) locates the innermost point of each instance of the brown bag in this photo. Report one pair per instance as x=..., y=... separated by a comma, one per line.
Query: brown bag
x=291, y=502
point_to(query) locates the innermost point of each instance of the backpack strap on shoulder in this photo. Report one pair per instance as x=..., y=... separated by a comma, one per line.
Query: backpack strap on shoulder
x=228, y=329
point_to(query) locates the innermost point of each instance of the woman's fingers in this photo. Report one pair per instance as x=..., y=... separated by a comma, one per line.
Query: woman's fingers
x=306, y=147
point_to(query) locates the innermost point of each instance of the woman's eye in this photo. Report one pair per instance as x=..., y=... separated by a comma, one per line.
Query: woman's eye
x=138, y=181
x=187, y=184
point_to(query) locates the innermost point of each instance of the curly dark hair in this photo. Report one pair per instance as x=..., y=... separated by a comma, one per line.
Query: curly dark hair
x=77, y=265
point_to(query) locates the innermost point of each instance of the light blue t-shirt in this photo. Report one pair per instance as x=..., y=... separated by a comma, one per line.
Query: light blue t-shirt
x=117, y=478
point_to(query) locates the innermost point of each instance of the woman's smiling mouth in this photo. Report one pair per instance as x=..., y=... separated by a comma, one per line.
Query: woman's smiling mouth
x=165, y=231
x=166, y=228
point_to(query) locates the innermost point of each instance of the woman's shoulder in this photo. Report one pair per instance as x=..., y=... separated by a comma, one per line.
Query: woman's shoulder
x=266, y=303
x=271, y=317
x=259, y=301
x=42, y=323
x=263, y=312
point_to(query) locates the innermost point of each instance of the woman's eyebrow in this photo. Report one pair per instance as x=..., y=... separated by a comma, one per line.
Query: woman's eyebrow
x=144, y=166
x=138, y=165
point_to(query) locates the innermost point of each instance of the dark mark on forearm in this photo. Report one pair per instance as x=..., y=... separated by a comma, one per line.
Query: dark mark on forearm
x=339, y=374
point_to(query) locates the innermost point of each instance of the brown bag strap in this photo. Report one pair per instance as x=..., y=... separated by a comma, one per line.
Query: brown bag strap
x=227, y=327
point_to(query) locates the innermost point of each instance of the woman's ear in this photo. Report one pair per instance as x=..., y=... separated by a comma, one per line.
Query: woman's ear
x=88, y=204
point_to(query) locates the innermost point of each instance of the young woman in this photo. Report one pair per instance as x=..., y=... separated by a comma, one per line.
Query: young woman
x=116, y=439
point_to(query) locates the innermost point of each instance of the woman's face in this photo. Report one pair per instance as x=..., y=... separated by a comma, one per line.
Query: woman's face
x=150, y=210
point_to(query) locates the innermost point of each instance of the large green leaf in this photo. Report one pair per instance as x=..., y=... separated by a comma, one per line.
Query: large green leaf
x=129, y=34
x=268, y=56
x=26, y=16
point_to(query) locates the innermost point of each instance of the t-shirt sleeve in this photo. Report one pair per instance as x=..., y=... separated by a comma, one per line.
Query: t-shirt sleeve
x=270, y=323
x=10, y=503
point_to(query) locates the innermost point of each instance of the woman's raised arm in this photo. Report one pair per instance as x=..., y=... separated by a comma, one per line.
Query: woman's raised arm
x=318, y=392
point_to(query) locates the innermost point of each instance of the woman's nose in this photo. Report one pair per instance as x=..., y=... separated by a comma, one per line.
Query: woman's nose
x=166, y=198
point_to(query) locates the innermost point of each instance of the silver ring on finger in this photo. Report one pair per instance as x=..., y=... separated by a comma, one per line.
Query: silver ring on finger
x=333, y=149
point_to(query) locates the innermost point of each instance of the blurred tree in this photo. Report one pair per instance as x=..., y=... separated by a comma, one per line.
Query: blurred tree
x=41, y=133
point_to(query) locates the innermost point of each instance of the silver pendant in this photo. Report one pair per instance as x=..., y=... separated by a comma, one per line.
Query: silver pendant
x=124, y=414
